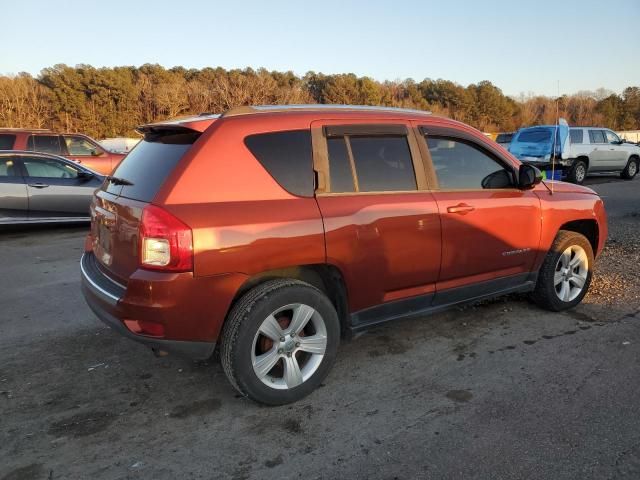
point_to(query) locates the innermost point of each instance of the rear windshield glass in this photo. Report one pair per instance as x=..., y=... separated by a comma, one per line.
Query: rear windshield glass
x=535, y=135
x=149, y=164
x=7, y=141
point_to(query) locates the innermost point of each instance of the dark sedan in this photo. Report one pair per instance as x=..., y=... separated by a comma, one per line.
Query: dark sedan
x=44, y=188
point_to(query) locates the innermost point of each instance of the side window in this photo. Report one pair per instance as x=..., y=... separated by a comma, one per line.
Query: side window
x=45, y=144
x=7, y=141
x=460, y=165
x=596, y=136
x=80, y=146
x=612, y=137
x=7, y=167
x=577, y=136
x=370, y=163
x=48, y=168
x=287, y=158
x=340, y=165
x=383, y=163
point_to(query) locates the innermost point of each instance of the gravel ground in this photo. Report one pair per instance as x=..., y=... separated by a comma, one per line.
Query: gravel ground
x=501, y=390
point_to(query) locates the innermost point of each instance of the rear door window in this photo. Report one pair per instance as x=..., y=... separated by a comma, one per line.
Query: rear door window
x=577, y=136
x=596, y=136
x=149, y=164
x=287, y=158
x=7, y=141
x=383, y=163
x=8, y=168
x=45, y=144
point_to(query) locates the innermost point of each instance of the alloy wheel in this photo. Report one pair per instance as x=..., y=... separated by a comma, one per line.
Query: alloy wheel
x=571, y=273
x=289, y=346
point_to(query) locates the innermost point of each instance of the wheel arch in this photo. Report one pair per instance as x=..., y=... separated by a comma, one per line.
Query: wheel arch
x=587, y=227
x=325, y=277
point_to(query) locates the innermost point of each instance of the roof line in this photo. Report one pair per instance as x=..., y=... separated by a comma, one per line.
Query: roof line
x=249, y=109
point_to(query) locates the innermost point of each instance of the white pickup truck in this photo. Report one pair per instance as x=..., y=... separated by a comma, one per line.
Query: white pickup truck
x=576, y=151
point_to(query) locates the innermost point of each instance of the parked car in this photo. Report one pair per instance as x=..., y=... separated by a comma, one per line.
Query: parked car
x=504, y=139
x=269, y=232
x=42, y=188
x=119, y=144
x=74, y=146
x=576, y=151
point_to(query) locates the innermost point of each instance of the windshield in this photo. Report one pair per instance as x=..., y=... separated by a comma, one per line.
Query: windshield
x=537, y=142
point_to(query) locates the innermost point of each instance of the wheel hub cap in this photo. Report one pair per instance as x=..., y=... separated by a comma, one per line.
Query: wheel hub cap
x=289, y=346
x=571, y=274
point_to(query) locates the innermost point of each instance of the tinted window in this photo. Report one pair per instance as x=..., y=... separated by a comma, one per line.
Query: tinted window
x=287, y=158
x=45, y=144
x=7, y=167
x=148, y=165
x=460, y=165
x=577, y=136
x=611, y=137
x=504, y=137
x=7, y=141
x=535, y=135
x=596, y=136
x=339, y=166
x=79, y=146
x=48, y=168
x=383, y=163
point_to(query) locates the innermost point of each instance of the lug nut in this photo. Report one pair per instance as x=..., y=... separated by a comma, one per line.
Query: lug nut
x=289, y=354
x=282, y=339
x=297, y=344
x=280, y=351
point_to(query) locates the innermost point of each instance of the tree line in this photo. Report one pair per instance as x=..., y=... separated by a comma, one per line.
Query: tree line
x=110, y=102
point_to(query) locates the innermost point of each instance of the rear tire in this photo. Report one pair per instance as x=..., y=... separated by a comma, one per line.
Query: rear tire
x=577, y=172
x=565, y=275
x=264, y=354
x=630, y=170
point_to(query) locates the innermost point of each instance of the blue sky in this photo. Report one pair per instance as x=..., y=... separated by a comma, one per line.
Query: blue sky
x=519, y=46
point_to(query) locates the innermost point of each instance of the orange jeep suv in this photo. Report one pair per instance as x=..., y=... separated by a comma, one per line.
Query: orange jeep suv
x=272, y=232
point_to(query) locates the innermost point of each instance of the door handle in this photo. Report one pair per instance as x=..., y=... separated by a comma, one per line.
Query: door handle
x=461, y=208
x=38, y=185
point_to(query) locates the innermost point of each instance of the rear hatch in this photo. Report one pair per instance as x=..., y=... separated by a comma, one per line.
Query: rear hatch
x=539, y=144
x=119, y=204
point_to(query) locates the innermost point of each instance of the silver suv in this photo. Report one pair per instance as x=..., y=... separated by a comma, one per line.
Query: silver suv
x=600, y=150
x=575, y=151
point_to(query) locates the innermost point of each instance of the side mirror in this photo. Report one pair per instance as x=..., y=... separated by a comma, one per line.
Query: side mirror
x=96, y=153
x=528, y=176
x=85, y=175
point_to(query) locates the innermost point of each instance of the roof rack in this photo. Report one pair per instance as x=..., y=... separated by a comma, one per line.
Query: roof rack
x=248, y=109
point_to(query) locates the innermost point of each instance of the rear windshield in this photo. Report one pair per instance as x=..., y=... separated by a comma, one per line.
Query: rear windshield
x=535, y=135
x=149, y=164
x=7, y=141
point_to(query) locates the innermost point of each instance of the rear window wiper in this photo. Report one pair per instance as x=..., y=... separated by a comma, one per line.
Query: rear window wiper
x=119, y=181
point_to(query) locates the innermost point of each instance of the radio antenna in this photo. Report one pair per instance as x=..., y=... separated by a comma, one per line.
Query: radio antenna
x=555, y=139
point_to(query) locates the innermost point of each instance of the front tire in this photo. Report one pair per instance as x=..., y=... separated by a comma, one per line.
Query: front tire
x=630, y=170
x=577, y=172
x=280, y=341
x=566, y=272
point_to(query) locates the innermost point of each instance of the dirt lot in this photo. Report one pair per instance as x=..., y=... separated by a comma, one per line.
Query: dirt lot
x=499, y=390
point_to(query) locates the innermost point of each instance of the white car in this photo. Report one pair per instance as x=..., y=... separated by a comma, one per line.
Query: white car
x=576, y=151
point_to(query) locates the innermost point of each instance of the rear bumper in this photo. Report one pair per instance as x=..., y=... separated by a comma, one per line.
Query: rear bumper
x=191, y=310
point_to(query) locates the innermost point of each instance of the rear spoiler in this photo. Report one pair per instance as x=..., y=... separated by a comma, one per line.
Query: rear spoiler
x=197, y=124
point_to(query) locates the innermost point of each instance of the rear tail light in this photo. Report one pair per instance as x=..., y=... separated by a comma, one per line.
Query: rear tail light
x=166, y=243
